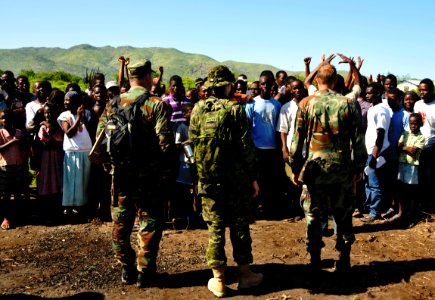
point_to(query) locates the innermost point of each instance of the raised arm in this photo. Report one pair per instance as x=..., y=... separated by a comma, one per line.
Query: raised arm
x=121, y=60
x=309, y=79
x=356, y=76
x=307, y=61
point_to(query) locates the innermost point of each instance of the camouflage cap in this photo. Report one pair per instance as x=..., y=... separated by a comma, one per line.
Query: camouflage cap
x=140, y=65
x=218, y=76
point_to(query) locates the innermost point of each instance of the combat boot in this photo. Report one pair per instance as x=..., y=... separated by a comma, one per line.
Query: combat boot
x=247, y=278
x=128, y=275
x=315, y=261
x=343, y=264
x=216, y=285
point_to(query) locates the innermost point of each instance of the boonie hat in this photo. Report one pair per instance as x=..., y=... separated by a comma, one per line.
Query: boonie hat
x=218, y=76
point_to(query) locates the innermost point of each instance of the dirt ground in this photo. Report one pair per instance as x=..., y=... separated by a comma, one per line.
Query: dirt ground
x=76, y=262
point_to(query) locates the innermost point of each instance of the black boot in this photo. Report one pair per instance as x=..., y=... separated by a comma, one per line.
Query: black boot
x=343, y=264
x=128, y=275
x=315, y=261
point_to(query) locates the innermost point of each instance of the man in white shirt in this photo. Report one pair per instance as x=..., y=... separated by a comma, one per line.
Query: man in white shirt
x=426, y=108
x=376, y=140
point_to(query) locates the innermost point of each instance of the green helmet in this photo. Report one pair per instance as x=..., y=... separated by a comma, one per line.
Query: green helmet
x=218, y=76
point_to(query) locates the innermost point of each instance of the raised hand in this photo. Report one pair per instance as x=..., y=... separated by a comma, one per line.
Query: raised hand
x=307, y=60
x=127, y=61
x=330, y=58
x=344, y=59
x=161, y=69
x=360, y=62
x=121, y=59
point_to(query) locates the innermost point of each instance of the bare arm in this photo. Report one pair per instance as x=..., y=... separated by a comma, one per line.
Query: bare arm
x=309, y=79
x=121, y=60
x=285, y=152
x=307, y=61
x=70, y=131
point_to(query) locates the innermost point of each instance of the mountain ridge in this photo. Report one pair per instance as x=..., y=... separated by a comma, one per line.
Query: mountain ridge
x=81, y=58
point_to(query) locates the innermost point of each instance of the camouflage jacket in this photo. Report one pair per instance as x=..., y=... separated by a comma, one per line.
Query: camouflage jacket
x=227, y=153
x=330, y=127
x=156, y=117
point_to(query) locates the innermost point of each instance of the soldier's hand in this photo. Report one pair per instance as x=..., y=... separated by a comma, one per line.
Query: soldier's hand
x=256, y=188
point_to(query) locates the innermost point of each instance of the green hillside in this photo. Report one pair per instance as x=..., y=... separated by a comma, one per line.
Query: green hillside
x=79, y=58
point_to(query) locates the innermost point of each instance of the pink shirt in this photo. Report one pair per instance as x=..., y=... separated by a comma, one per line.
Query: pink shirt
x=12, y=154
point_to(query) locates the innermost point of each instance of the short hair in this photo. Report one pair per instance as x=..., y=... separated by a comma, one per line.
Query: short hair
x=327, y=74
x=289, y=80
x=377, y=87
x=413, y=95
x=281, y=72
x=392, y=78
x=429, y=83
x=73, y=86
x=256, y=82
x=243, y=83
x=186, y=107
x=10, y=75
x=24, y=77
x=418, y=117
x=394, y=92
x=268, y=74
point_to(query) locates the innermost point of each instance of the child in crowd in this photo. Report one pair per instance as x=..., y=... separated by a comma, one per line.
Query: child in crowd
x=13, y=167
x=410, y=145
x=50, y=179
x=409, y=101
x=186, y=173
x=77, y=145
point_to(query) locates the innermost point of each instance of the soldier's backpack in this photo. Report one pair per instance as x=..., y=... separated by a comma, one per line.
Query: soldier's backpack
x=213, y=143
x=124, y=135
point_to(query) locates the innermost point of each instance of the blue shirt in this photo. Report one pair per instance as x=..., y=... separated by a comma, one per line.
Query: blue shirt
x=399, y=123
x=263, y=115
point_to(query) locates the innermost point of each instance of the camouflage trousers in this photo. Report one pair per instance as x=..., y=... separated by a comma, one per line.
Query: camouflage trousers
x=222, y=207
x=136, y=194
x=319, y=200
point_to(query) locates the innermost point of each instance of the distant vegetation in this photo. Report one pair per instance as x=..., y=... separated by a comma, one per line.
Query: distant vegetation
x=70, y=65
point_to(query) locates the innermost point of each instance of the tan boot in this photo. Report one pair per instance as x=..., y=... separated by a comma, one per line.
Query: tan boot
x=216, y=285
x=247, y=278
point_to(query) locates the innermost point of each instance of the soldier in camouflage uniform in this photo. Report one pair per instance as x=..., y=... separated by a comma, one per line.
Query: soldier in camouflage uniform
x=330, y=126
x=135, y=187
x=227, y=178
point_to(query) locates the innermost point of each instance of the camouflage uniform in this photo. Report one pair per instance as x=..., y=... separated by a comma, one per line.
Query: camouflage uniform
x=226, y=168
x=331, y=127
x=136, y=189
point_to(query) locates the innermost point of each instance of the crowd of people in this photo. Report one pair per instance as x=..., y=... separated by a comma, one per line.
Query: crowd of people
x=334, y=149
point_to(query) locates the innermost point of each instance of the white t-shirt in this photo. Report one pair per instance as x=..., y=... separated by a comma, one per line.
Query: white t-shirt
x=427, y=112
x=31, y=109
x=378, y=117
x=81, y=141
x=286, y=120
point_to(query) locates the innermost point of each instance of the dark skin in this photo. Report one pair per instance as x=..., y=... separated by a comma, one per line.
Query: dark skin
x=426, y=93
x=307, y=61
x=255, y=90
x=7, y=123
x=376, y=99
x=389, y=85
x=265, y=87
x=408, y=103
x=354, y=72
x=414, y=126
x=76, y=109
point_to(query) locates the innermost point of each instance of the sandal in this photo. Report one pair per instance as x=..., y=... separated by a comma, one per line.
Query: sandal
x=5, y=225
